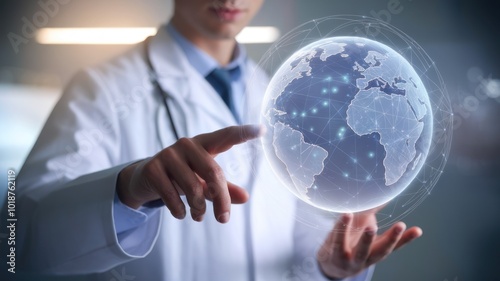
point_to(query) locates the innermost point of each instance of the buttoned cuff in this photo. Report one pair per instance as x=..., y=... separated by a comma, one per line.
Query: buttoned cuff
x=126, y=218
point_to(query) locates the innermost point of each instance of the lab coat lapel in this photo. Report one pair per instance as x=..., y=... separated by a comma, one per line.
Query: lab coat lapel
x=189, y=91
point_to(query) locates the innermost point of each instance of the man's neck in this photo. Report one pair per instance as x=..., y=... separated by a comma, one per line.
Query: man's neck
x=222, y=50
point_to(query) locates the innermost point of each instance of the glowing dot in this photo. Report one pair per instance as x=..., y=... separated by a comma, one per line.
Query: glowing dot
x=341, y=132
x=371, y=154
x=303, y=114
x=314, y=110
x=324, y=91
x=335, y=90
x=346, y=175
x=325, y=103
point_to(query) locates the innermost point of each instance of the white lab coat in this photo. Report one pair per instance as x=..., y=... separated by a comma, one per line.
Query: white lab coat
x=110, y=116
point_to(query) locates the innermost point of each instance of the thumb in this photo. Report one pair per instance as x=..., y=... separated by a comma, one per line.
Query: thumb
x=223, y=139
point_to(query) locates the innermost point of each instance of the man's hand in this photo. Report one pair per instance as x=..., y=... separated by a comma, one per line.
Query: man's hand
x=354, y=245
x=187, y=168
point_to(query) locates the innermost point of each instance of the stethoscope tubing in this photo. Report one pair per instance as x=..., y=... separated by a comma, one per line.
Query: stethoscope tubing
x=154, y=80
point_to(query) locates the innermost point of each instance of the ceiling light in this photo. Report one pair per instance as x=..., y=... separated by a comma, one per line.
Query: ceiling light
x=133, y=35
x=94, y=36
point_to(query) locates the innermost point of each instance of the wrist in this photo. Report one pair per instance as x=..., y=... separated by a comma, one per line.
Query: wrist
x=124, y=188
x=328, y=275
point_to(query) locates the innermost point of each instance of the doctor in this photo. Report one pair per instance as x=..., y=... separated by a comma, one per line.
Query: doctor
x=125, y=158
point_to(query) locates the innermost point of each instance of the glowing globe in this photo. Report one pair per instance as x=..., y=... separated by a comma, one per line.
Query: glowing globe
x=349, y=124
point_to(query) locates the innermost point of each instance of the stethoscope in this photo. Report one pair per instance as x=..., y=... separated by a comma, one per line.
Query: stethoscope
x=153, y=77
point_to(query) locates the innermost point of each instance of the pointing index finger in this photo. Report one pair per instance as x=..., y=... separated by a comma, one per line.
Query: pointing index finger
x=223, y=139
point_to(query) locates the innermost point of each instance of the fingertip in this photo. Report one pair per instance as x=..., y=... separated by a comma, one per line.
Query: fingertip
x=224, y=218
x=198, y=210
x=344, y=220
x=370, y=231
x=256, y=130
x=239, y=195
x=417, y=232
x=179, y=215
x=246, y=196
x=240, y=199
x=399, y=228
x=262, y=130
x=198, y=218
x=347, y=217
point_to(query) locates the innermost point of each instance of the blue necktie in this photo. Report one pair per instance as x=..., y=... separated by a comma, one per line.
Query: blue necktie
x=220, y=79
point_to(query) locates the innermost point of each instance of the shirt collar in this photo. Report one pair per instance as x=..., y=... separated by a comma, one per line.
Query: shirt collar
x=204, y=63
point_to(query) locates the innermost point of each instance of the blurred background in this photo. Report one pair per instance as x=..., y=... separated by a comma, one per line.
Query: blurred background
x=461, y=218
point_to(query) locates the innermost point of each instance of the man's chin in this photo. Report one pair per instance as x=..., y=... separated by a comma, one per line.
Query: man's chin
x=226, y=34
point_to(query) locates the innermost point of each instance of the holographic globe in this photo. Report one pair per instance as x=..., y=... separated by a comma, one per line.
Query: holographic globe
x=349, y=124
